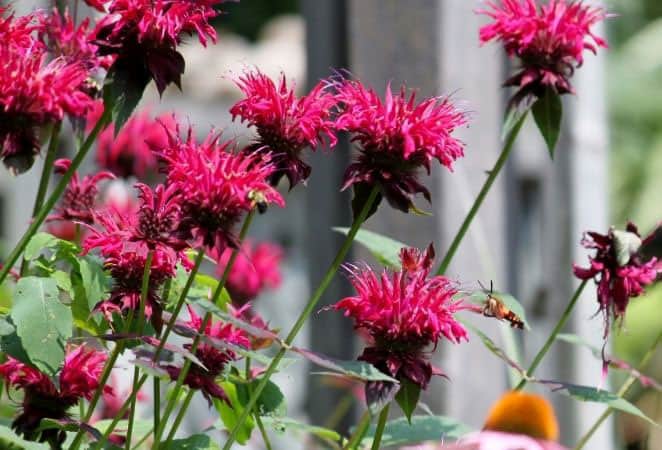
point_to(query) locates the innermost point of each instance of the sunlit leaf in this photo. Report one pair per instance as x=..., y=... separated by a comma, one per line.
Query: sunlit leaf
x=421, y=429
x=385, y=250
x=547, y=112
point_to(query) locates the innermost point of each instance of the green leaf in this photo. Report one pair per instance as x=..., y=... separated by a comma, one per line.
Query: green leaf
x=42, y=322
x=595, y=395
x=94, y=278
x=140, y=427
x=511, y=120
x=195, y=442
x=384, y=249
x=123, y=89
x=357, y=370
x=286, y=424
x=547, y=112
x=38, y=243
x=510, y=302
x=238, y=396
x=63, y=282
x=272, y=401
x=11, y=441
x=420, y=429
x=407, y=397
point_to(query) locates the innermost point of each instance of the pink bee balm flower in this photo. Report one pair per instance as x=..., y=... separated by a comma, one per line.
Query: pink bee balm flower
x=213, y=358
x=403, y=313
x=397, y=137
x=217, y=186
x=78, y=378
x=618, y=270
x=285, y=124
x=34, y=91
x=255, y=269
x=144, y=34
x=548, y=40
x=129, y=153
x=97, y=4
x=79, y=199
x=125, y=242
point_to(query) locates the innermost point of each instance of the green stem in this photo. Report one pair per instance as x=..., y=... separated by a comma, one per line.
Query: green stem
x=310, y=307
x=263, y=431
x=179, y=418
x=142, y=440
x=144, y=289
x=39, y=218
x=196, y=341
x=625, y=387
x=552, y=337
x=503, y=157
x=156, y=381
x=383, y=417
x=125, y=407
x=359, y=432
x=45, y=178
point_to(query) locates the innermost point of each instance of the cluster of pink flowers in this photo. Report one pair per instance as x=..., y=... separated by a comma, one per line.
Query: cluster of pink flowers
x=211, y=354
x=78, y=379
x=256, y=268
x=144, y=35
x=34, y=90
x=404, y=313
x=618, y=269
x=129, y=154
x=548, y=40
x=286, y=125
x=217, y=186
x=397, y=138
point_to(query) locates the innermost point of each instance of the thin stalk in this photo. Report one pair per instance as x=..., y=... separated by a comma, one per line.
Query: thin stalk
x=122, y=411
x=256, y=413
x=144, y=290
x=493, y=174
x=156, y=381
x=625, y=387
x=39, y=218
x=196, y=341
x=307, y=311
x=142, y=440
x=552, y=337
x=383, y=417
x=179, y=418
x=45, y=177
x=360, y=431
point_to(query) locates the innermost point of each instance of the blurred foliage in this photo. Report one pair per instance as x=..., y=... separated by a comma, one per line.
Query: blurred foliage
x=247, y=17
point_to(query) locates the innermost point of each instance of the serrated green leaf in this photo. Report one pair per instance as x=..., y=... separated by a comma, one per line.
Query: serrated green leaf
x=38, y=243
x=420, y=429
x=195, y=442
x=286, y=424
x=357, y=370
x=238, y=396
x=547, y=112
x=123, y=89
x=407, y=397
x=271, y=401
x=595, y=395
x=385, y=250
x=11, y=441
x=42, y=322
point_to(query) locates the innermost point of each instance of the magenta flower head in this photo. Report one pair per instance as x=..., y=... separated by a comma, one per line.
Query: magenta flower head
x=78, y=379
x=549, y=41
x=256, y=269
x=128, y=154
x=213, y=357
x=35, y=91
x=404, y=313
x=145, y=34
x=126, y=240
x=397, y=137
x=285, y=124
x=79, y=199
x=618, y=270
x=217, y=186
x=96, y=4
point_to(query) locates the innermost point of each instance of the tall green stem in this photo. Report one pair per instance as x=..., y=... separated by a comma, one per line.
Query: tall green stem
x=196, y=341
x=383, y=417
x=179, y=417
x=50, y=202
x=310, y=307
x=552, y=337
x=45, y=177
x=621, y=392
x=493, y=174
x=360, y=431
